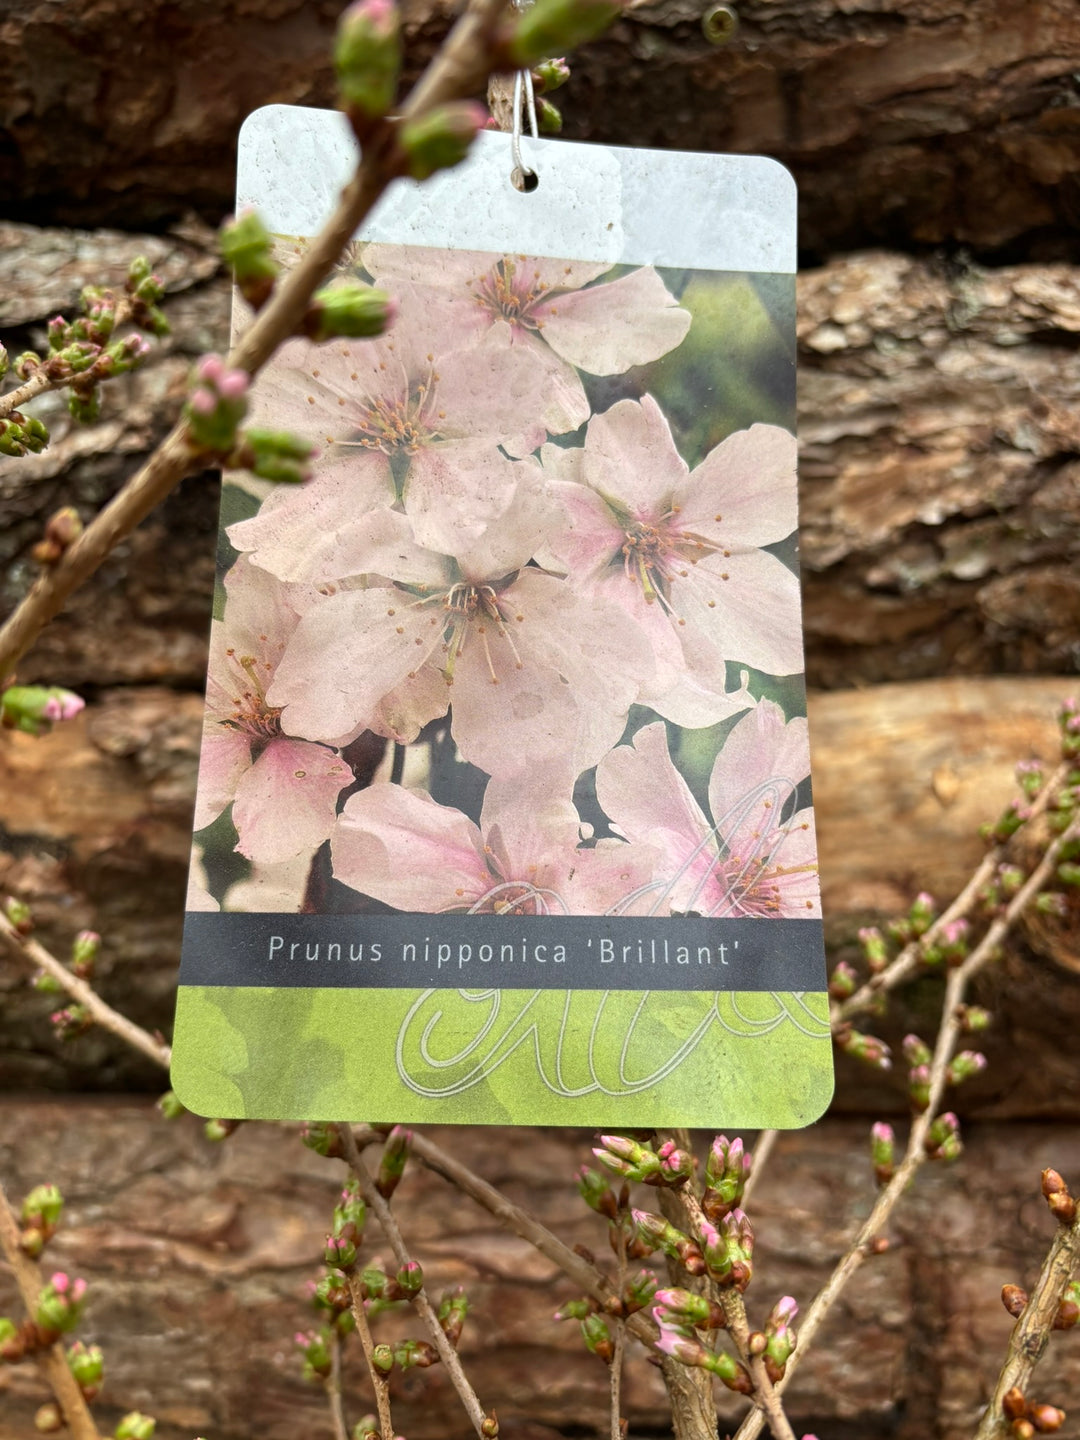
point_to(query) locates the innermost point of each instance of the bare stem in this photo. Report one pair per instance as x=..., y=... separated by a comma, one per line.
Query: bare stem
x=35, y=955
x=955, y=988
x=333, y=1391
x=385, y=1216
x=29, y=390
x=763, y=1148
x=907, y=961
x=379, y=1382
x=765, y=1394
x=1031, y=1333
x=51, y=1361
x=458, y=69
x=615, y=1374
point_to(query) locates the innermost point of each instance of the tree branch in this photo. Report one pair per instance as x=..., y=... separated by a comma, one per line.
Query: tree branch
x=379, y=1382
x=1031, y=1333
x=37, y=384
x=955, y=988
x=591, y=1280
x=51, y=1361
x=35, y=955
x=333, y=1390
x=385, y=1216
x=763, y=1148
x=460, y=67
x=905, y=964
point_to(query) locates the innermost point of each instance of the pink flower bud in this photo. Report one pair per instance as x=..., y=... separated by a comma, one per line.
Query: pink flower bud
x=210, y=368
x=233, y=384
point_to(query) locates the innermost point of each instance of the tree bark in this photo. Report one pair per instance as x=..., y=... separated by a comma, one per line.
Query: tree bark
x=906, y=122
x=197, y=1258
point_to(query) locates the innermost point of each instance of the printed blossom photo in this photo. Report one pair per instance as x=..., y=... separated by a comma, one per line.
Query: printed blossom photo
x=527, y=642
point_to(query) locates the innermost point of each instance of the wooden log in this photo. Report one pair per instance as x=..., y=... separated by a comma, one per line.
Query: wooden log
x=96, y=830
x=197, y=1258
x=910, y=122
x=939, y=487
x=940, y=493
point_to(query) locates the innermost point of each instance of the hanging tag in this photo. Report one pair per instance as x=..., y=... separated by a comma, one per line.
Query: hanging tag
x=504, y=806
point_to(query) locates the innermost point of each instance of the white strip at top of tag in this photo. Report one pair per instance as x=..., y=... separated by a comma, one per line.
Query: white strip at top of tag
x=641, y=207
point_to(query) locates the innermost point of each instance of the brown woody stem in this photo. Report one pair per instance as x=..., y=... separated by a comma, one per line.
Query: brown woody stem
x=385, y=1216
x=458, y=69
x=51, y=1360
x=35, y=955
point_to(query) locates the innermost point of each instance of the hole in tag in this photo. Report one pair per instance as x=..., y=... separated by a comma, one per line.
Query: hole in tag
x=526, y=180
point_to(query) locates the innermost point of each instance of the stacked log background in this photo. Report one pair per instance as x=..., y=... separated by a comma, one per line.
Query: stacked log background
x=936, y=145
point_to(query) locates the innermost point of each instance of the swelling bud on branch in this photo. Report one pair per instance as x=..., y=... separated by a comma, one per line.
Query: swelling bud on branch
x=367, y=58
x=35, y=709
x=247, y=249
x=350, y=311
x=217, y=405
x=441, y=138
x=552, y=26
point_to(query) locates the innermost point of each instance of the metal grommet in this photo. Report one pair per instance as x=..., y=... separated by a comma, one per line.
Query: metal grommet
x=526, y=180
x=719, y=24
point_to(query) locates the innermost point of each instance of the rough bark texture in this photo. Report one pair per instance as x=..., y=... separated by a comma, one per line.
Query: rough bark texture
x=97, y=822
x=940, y=482
x=905, y=121
x=940, y=479
x=940, y=498
x=940, y=494
x=145, y=616
x=197, y=1257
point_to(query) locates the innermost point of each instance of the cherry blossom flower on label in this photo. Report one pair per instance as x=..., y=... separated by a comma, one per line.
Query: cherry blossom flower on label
x=533, y=669
x=403, y=848
x=748, y=861
x=538, y=309
x=679, y=550
x=410, y=417
x=283, y=789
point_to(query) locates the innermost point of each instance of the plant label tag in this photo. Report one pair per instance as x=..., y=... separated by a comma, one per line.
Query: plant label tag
x=504, y=805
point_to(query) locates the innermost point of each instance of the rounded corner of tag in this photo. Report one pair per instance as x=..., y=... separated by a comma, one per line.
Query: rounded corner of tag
x=266, y=117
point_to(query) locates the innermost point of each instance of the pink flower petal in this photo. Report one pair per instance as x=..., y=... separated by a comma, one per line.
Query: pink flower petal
x=224, y=757
x=749, y=480
x=404, y=849
x=305, y=532
x=347, y=654
x=609, y=328
x=755, y=615
x=630, y=458
x=287, y=801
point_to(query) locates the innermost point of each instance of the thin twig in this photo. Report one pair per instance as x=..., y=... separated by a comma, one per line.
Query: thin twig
x=591, y=1280
x=379, y=1382
x=765, y=1395
x=763, y=1148
x=907, y=961
x=37, y=384
x=385, y=1216
x=459, y=69
x=1031, y=1333
x=333, y=1390
x=764, y=1391
x=615, y=1375
x=40, y=381
x=34, y=954
x=51, y=1360
x=955, y=988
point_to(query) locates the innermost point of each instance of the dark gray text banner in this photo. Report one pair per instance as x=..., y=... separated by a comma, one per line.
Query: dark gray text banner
x=468, y=952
